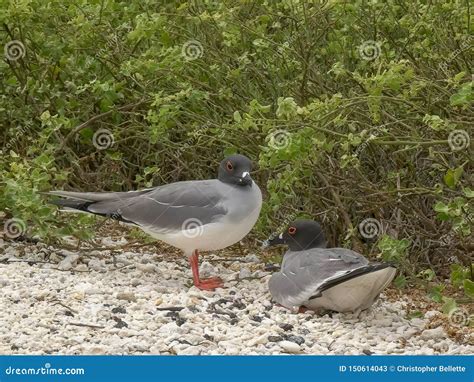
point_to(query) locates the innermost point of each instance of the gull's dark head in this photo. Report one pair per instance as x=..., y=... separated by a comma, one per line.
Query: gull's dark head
x=235, y=169
x=299, y=235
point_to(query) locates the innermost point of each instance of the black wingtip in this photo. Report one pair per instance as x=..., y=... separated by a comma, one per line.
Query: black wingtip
x=354, y=273
x=79, y=205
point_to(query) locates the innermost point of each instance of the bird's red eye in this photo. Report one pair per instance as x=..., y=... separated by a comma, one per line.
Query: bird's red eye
x=292, y=230
x=229, y=166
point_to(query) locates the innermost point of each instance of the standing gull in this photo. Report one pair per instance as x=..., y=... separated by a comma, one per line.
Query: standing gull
x=321, y=278
x=192, y=215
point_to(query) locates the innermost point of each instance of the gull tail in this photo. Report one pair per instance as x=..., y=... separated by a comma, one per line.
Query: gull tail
x=107, y=204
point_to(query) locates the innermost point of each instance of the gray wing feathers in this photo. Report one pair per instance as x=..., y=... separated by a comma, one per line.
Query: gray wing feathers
x=303, y=273
x=161, y=209
x=97, y=196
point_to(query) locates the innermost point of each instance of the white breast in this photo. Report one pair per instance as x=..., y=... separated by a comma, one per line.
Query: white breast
x=243, y=211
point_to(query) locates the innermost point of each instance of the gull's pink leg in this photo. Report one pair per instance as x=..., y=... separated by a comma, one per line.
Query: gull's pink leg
x=203, y=284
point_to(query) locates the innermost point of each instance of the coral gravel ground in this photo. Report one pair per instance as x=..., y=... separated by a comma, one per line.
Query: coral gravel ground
x=57, y=301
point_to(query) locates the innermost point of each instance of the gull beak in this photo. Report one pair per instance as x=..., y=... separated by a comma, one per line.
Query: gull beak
x=273, y=241
x=245, y=179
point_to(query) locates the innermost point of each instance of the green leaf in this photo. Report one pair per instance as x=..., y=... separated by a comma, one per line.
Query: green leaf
x=458, y=275
x=468, y=192
x=449, y=305
x=452, y=176
x=435, y=293
x=415, y=314
x=287, y=108
x=237, y=116
x=464, y=95
x=400, y=282
x=469, y=288
x=427, y=274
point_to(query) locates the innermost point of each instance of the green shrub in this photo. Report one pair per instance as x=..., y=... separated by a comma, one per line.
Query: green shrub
x=351, y=110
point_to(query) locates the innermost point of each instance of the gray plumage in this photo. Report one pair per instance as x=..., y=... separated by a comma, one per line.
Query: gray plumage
x=303, y=272
x=190, y=215
x=321, y=278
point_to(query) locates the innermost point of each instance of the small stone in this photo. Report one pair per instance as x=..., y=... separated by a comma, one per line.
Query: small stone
x=296, y=339
x=286, y=327
x=127, y=296
x=78, y=296
x=259, y=340
x=119, y=309
x=431, y=313
x=238, y=304
x=206, y=269
x=251, y=258
x=81, y=268
x=256, y=318
x=433, y=334
x=97, y=265
x=120, y=323
x=289, y=346
x=244, y=273
x=275, y=338
x=146, y=268
x=69, y=261
x=93, y=290
x=158, y=301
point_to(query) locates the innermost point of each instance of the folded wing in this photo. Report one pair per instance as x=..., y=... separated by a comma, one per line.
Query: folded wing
x=160, y=209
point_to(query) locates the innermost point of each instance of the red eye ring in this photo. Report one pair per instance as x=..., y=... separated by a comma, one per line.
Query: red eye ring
x=292, y=230
x=229, y=166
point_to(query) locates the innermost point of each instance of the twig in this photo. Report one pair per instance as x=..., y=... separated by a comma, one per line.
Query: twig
x=86, y=325
x=57, y=302
x=95, y=118
x=172, y=308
